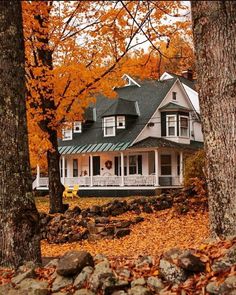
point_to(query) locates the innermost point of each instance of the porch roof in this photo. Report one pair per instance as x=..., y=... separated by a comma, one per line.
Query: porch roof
x=157, y=142
x=92, y=148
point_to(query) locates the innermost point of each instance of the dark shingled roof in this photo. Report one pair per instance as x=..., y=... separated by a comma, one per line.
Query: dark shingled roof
x=148, y=96
x=165, y=143
x=173, y=106
x=122, y=107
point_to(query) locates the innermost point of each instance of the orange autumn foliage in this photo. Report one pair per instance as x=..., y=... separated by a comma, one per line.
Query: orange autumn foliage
x=77, y=49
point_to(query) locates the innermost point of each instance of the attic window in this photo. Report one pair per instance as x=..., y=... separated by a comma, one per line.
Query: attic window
x=77, y=127
x=120, y=122
x=174, y=95
x=67, y=132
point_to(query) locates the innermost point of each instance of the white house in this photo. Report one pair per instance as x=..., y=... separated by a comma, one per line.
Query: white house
x=134, y=144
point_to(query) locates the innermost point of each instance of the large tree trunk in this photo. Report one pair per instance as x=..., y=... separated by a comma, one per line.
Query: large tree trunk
x=55, y=187
x=19, y=219
x=48, y=106
x=214, y=27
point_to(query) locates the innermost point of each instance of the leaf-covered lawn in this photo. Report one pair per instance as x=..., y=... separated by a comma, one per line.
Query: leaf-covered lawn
x=159, y=232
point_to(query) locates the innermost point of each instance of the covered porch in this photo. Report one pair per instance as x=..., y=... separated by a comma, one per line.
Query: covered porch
x=141, y=168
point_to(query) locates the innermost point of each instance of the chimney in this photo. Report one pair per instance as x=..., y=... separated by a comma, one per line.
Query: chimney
x=187, y=74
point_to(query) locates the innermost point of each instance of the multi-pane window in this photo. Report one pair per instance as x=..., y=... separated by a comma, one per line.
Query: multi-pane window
x=65, y=174
x=67, y=132
x=171, y=125
x=77, y=127
x=165, y=164
x=132, y=165
x=120, y=122
x=109, y=126
x=184, y=126
x=75, y=167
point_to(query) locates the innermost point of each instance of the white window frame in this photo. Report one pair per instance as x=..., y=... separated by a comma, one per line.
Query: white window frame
x=109, y=122
x=120, y=119
x=67, y=130
x=167, y=125
x=174, y=99
x=181, y=116
x=76, y=125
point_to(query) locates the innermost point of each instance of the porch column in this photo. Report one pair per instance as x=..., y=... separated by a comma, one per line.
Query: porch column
x=37, y=176
x=156, y=168
x=63, y=170
x=91, y=170
x=122, y=169
x=181, y=167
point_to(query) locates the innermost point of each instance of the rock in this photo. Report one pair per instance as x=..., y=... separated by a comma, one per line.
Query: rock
x=52, y=263
x=123, y=224
x=100, y=257
x=138, y=219
x=83, y=277
x=61, y=282
x=72, y=262
x=84, y=292
x=102, y=275
x=120, y=233
x=213, y=288
x=147, y=209
x=121, y=292
x=228, y=285
x=190, y=262
x=226, y=261
x=171, y=272
x=30, y=273
x=139, y=290
x=138, y=282
x=144, y=261
x=34, y=287
x=125, y=273
x=155, y=284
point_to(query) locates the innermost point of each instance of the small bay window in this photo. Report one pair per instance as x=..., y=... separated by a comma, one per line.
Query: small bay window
x=184, y=126
x=171, y=123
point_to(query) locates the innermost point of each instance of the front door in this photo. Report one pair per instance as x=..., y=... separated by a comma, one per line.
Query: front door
x=96, y=165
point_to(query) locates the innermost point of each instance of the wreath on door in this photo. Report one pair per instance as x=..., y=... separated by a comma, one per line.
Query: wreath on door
x=108, y=164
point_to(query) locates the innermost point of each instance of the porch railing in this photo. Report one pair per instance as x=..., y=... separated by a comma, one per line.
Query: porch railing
x=106, y=181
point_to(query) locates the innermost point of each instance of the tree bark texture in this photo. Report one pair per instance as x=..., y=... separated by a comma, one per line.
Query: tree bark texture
x=49, y=108
x=19, y=218
x=214, y=30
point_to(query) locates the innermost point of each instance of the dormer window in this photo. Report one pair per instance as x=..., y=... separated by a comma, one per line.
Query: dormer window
x=120, y=122
x=77, y=127
x=174, y=95
x=109, y=126
x=184, y=126
x=67, y=132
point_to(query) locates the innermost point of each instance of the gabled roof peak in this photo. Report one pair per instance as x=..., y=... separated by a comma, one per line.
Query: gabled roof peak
x=130, y=81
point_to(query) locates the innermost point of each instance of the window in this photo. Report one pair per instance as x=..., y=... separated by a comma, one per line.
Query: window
x=75, y=167
x=165, y=164
x=183, y=126
x=120, y=122
x=109, y=126
x=174, y=95
x=77, y=127
x=67, y=132
x=171, y=125
x=132, y=165
x=178, y=164
x=65, y=174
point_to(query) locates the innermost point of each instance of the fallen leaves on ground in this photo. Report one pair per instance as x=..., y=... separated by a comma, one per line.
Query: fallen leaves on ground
x=158, y=233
